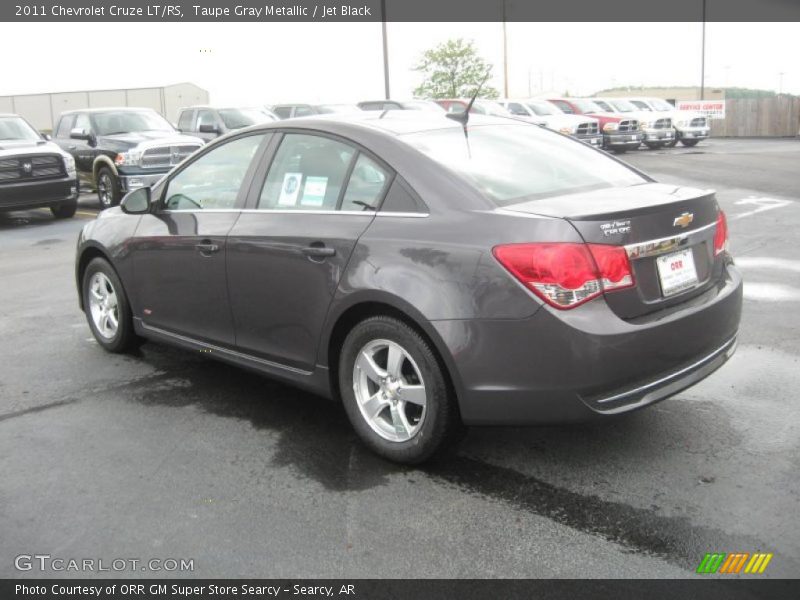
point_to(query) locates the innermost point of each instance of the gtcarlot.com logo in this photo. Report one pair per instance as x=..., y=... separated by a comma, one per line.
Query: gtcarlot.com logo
x=734, y=563
x=46, y=562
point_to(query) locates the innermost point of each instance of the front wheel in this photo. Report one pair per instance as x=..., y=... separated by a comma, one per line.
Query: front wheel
x=689, y=143
x=108, y=192
x=65, y=210
x=107, y=309
x=395, y=392
x=654, y=145
x=672, y=142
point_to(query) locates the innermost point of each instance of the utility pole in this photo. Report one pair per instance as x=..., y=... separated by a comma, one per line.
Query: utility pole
x=780, y=83
x=703, y=58
x=385, y=51
x=505, y=54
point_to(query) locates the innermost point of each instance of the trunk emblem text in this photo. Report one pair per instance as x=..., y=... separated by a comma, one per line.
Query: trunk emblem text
x=616, y=227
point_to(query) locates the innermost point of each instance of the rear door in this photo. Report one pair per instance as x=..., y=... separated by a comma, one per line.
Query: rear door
x=179, y=250
x=287, y=252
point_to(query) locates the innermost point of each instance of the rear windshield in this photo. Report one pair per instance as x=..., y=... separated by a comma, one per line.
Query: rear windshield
x=518, y=162
x=237, y=118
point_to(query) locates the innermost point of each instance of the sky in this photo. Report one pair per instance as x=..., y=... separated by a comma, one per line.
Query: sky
x=268, y=63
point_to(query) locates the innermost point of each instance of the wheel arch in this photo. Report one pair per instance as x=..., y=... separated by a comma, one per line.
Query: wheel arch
x=87, y=255
x=372, y=305
x=103, y=161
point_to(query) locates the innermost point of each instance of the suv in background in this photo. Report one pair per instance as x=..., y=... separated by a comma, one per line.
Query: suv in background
x=620, y=134
x=690, y=127
x=207, y=122
x=541, y=112
x=34, y=172
x=117, y=150
x=290, y=111
x=658, y=131
x=428, y=105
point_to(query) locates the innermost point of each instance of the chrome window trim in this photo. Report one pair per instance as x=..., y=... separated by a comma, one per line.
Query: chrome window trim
x=662, y=245
x=356, y=213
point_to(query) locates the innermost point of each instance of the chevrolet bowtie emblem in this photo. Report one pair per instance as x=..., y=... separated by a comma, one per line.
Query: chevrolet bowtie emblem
x=683, y=220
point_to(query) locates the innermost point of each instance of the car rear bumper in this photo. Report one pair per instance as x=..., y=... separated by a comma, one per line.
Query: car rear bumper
x=566, y=366
x=35, y=194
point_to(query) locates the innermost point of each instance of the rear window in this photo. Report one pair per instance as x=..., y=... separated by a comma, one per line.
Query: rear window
x=517, y=163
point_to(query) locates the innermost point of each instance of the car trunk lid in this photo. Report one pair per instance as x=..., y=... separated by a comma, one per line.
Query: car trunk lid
x=668, y=233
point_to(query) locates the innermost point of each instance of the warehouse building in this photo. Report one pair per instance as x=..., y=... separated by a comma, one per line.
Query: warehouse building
x=42, y=110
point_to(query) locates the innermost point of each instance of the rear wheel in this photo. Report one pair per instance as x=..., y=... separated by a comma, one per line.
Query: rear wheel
x=65, y=210
x=395, y=392
x=108, y=192
x=672, y=142
x=689, y=143
x=107, y=309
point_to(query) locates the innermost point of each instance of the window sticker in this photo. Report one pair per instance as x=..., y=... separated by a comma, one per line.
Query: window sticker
x=314, y=191
x=290, y=189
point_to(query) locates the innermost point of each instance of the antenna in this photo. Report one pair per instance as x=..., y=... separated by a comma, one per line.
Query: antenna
x=463, y=117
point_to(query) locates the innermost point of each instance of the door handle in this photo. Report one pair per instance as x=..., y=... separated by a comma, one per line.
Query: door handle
x=319, y=251
x=207, y=247
x=71, y=147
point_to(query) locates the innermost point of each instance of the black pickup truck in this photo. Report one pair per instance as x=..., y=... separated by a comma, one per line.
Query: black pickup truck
x=117, y=150
x=34, y=172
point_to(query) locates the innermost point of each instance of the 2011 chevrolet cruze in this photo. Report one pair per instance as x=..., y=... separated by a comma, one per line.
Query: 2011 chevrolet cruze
x=426, y=272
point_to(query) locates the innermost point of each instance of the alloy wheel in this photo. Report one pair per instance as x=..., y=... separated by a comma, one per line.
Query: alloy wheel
x=103, y=306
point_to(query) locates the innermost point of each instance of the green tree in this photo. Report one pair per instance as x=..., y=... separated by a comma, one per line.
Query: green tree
x=453, y=70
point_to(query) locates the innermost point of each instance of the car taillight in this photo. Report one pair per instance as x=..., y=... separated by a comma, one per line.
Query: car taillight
x=566, y=275
x=721, y=234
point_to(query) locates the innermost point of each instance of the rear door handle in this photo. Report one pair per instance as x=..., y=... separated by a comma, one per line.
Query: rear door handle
x=207, y=247
x=319, y=251
x=71, y=147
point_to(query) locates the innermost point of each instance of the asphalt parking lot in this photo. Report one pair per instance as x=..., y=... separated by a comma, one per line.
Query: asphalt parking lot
x=170, y=455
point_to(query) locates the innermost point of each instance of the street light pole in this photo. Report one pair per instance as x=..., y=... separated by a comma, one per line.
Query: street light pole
x=703, y=58
x=385, y=51
x=505, y=54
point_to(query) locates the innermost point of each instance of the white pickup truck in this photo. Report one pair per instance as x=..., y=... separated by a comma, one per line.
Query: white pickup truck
x=657, y=128
x=542, y=112
x=690, y=127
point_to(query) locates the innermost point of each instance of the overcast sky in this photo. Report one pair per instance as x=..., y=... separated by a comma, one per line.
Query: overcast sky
x=264, y=63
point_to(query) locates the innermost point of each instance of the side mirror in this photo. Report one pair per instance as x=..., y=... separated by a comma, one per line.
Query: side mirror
x=136, y=202
x=80, y=134
x=47, y=137
x=208, y=128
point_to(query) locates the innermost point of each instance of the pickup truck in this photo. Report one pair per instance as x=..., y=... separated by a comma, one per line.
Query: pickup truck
x=34, y=172
x=208, y=122
x=690, y=127
x=657, y=129
x=117, y=150
x=582, y=127
x=620, y=134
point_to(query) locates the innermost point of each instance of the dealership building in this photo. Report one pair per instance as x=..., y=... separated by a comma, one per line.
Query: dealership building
x=42, y=110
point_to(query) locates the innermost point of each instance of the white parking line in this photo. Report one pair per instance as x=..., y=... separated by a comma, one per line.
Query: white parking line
x=765, y=262
x=763, y=204
x=771, y=292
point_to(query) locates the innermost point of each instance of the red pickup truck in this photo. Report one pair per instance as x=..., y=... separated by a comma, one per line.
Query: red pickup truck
x=620, y=133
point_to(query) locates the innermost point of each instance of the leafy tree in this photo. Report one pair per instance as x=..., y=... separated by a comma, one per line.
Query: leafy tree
x=453, y=70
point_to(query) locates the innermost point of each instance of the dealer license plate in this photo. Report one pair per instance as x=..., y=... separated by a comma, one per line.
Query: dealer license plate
x=676, y=272
x=634, y=138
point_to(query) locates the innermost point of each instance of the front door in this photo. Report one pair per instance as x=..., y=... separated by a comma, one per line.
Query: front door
x=179, y=250
x=287, y=254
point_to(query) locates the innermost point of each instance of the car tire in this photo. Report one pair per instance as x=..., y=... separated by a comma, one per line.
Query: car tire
x=64, y=210
x=619, y=150
x=108, y=191
x=689, y=143
x=672, y=143
x=104, y=301
x=383, y=413
x=654, y=145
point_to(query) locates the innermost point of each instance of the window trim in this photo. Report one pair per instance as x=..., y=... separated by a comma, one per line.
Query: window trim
x=260, y=175
x=158, y=206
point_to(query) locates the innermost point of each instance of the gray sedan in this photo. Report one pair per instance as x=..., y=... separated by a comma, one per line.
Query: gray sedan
x=428, y=274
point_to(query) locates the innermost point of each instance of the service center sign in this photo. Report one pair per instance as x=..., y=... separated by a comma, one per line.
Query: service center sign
x=713, y=109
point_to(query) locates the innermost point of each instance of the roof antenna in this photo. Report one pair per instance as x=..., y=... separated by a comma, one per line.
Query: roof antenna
x=463, y=117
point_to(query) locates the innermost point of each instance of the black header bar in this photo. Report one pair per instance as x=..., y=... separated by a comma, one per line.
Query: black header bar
x=400, y=10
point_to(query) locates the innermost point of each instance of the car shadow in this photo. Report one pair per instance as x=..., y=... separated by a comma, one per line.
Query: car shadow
x=316, y=440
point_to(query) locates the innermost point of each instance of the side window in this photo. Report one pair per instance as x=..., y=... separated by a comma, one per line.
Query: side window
x=457, y=107
x=371, y=106
x=366, y=186
x=284, y=112
x=65, y=126
x=515, y=108
x=185, y=120
x=214, y=179
x=303, y=111
x=307, y=173
x=82, y=122
x=205, y=117
x=563, y=106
